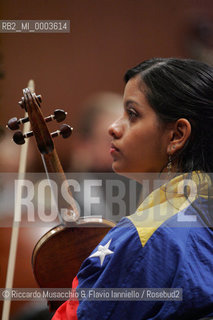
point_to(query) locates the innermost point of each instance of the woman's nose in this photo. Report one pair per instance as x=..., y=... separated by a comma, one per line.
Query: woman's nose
x=115, y=129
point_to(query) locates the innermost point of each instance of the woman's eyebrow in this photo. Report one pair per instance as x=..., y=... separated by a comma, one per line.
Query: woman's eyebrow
x=132, y=102
x=128, y=102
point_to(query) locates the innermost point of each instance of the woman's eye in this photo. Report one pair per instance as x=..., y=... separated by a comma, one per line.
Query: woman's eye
x=132, y=114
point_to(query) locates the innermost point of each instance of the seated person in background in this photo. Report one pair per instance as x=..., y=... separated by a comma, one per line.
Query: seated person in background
x=91, y=156
x=93, y=142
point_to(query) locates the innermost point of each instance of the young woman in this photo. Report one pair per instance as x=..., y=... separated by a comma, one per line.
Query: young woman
x=166, y=128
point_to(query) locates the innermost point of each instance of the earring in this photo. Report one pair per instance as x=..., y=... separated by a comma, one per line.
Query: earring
x=169, y=166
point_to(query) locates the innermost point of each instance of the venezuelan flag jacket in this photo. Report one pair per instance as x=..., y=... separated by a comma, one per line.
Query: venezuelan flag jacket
x=167, y=243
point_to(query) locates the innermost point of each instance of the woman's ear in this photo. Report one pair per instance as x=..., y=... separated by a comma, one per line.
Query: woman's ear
x=179, y=135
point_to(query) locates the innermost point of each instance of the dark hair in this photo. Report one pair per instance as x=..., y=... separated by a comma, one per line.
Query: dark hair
x=182, y=88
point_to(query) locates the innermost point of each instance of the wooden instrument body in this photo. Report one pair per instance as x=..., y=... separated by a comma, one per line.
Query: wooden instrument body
x=58, y=255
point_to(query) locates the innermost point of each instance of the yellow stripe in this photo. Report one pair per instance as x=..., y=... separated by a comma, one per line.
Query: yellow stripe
x=167, y=201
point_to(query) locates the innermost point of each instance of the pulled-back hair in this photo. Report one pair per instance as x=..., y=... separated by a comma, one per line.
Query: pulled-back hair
x=182, y=88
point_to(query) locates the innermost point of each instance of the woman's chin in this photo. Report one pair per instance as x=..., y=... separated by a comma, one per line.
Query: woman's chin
x=121, y=170
x=116, y=167
x=137, y=176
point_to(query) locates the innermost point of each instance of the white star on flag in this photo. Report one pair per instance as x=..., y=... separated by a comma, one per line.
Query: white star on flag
x=102, y=252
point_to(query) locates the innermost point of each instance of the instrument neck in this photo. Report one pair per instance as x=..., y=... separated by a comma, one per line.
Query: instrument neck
x=68, y=212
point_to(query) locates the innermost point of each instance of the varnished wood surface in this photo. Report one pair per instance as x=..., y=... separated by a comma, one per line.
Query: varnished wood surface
x=57, y=259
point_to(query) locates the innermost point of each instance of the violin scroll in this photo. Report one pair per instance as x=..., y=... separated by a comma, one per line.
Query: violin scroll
x=31, y=103
x=22, y=103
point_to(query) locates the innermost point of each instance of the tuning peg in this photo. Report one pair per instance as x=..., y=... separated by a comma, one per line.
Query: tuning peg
x=19, y=137
x=59, y=115
x=65, y=131
x=23, y=104
x=14, y=123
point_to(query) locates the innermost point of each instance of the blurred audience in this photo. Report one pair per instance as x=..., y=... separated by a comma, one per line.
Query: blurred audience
x=101, y=191
x=91, y=149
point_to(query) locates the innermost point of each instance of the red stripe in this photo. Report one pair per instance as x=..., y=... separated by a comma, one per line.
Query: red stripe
x=68, y=310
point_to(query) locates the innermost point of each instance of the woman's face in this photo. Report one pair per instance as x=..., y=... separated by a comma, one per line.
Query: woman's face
x=139, y=140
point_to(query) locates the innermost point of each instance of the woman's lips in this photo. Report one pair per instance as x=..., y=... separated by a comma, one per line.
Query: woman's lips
x=113, y=149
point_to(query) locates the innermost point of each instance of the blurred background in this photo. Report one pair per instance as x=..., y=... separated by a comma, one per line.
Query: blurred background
x=107, y=37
